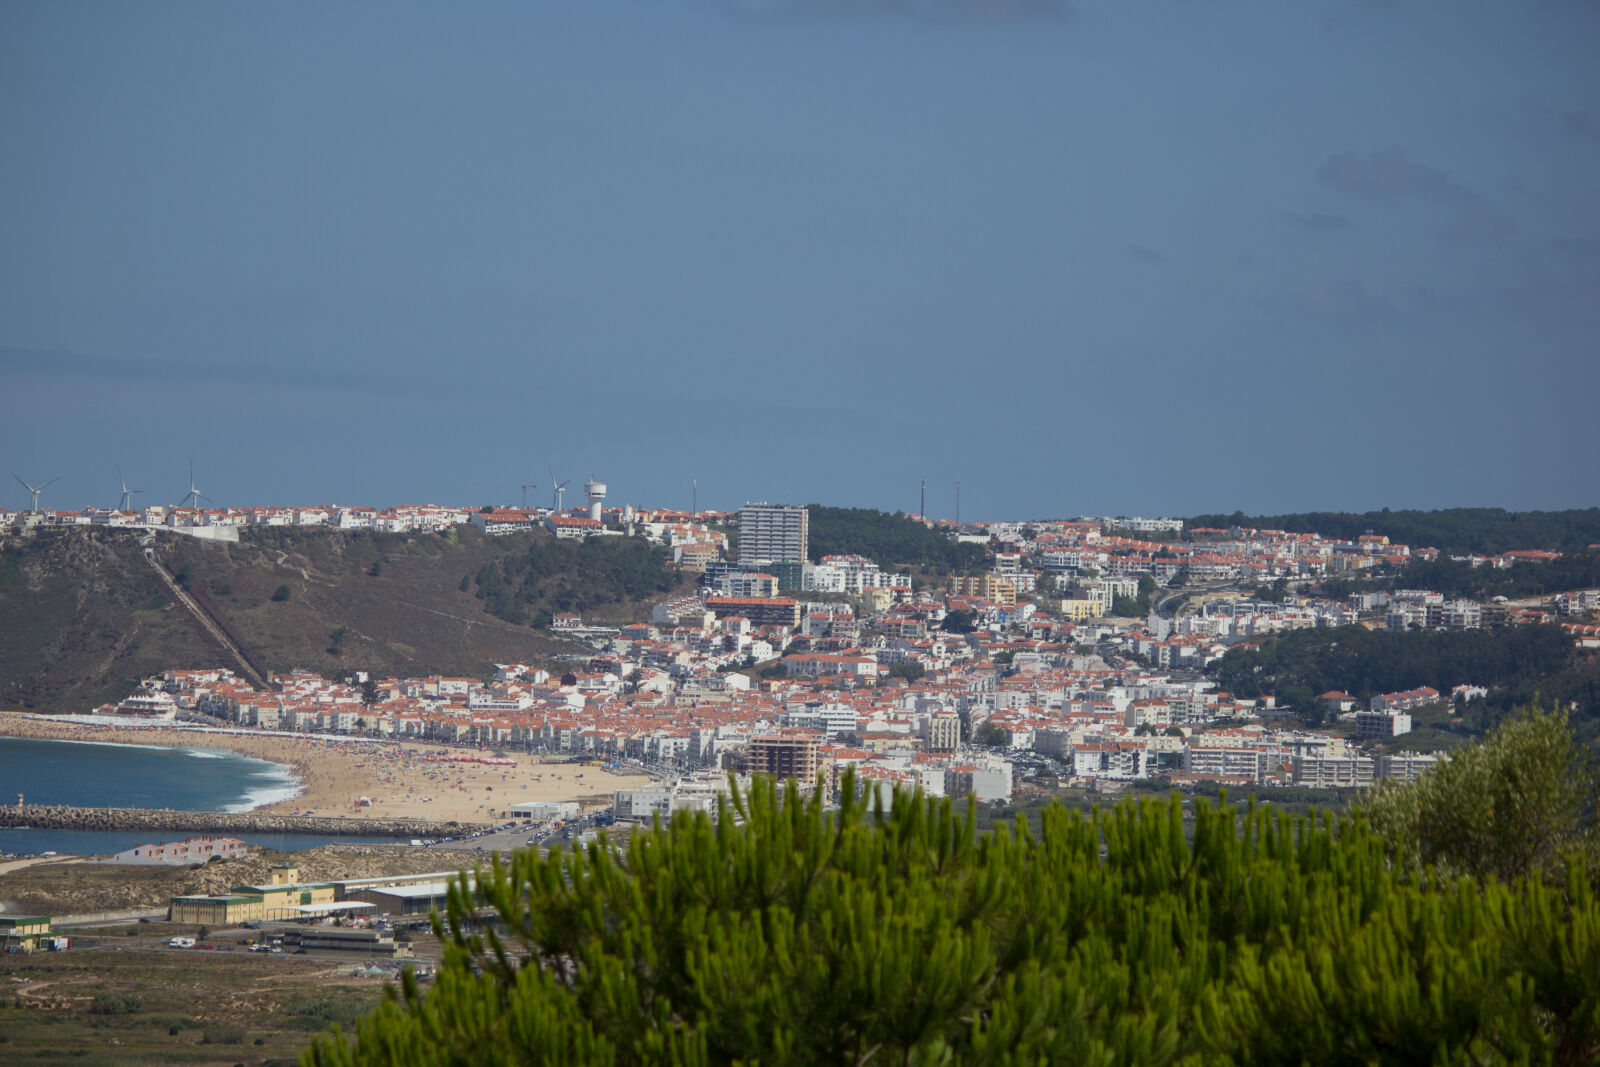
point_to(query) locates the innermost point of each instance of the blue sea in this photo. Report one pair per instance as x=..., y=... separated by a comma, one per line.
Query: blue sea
x=100, y=775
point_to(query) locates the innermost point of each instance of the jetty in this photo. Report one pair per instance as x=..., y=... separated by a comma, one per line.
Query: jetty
x=66, y=817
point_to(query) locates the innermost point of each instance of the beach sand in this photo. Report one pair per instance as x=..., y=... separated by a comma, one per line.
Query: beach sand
x=406, y=779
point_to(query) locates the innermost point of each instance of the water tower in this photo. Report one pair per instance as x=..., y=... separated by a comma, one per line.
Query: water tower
x=596, y=492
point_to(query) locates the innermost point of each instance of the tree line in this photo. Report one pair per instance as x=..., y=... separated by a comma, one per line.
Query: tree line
x=1486, y=531
x=1364, y=663
x=1458, y=578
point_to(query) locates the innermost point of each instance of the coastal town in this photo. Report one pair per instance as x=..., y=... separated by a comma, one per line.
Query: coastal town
x=1075, y=656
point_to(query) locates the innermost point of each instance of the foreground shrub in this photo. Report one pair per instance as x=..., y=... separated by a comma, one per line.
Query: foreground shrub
x=1519, y=804
x=782, y=933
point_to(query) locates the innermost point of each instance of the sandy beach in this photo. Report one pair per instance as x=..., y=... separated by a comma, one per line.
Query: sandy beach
x=400, y=778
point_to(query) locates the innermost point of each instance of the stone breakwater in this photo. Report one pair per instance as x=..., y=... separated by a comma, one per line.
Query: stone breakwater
x=62, y=817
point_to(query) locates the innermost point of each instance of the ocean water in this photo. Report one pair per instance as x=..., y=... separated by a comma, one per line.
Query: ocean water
x=101, y=775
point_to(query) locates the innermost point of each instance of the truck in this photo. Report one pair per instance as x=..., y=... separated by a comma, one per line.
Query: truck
x=180, y=942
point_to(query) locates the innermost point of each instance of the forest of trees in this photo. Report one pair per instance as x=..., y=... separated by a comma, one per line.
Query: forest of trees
x=1150, y=933
x=889, y=540
x=1518, y=665
x=574, y=576
x=1452, y=530
x=1365, y=662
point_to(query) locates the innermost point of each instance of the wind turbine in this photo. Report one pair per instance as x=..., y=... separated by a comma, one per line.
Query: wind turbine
x=559, y=487
x=35, y=490
x=194, y=494
x=525, y=487
x=126, y=503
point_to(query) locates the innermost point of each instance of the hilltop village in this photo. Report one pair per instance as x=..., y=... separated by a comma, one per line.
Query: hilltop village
x=1077, y=651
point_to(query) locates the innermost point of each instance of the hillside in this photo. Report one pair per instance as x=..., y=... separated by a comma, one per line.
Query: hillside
x=83, y=616
x=888, y=540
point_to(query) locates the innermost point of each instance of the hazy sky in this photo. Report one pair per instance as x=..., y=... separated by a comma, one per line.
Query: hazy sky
x=1147, y=258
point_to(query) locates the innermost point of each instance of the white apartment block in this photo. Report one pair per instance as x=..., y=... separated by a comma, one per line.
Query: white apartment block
x=1372, y=724
x=1330, y=772
x=774, y=533
x=1408, y=767
x=1220, y=762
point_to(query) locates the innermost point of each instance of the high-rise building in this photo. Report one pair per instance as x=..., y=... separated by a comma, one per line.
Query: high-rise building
x=944, y=732
x=788, y=753
x=774, y=533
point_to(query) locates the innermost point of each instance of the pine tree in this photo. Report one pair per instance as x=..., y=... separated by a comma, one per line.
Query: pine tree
x=894, y=932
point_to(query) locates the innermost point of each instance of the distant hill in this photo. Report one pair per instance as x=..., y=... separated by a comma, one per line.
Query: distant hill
x=890, y=540
x=1460, y=530
x=83, y=616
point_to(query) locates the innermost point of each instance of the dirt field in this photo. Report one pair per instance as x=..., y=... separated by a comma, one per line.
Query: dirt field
x=129, y=1000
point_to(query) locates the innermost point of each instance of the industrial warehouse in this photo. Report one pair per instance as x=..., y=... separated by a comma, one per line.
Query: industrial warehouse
x=285, y=897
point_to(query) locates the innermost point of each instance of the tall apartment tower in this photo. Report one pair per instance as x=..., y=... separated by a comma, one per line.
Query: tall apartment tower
x=789, y=753
x=944, y=732
x=773, y=533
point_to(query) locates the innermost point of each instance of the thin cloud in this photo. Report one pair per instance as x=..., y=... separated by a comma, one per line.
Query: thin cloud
x=1146, y=255
x=57, y=364
x=1390, y=175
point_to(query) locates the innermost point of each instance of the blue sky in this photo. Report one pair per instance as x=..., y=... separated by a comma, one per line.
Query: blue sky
x=1141, y=258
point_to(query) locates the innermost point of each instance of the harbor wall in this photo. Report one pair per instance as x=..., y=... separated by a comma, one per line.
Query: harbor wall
x=64, y=817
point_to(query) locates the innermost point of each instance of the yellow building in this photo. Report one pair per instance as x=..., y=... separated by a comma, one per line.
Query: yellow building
x=226, y=910
x=990, y=587
x=283, y=897
x=22, y=932
x=285, y=900
x=1073, y=610
x=877, y=597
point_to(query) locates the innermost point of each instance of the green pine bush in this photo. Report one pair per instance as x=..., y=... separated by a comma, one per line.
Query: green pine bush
x=782, y=933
